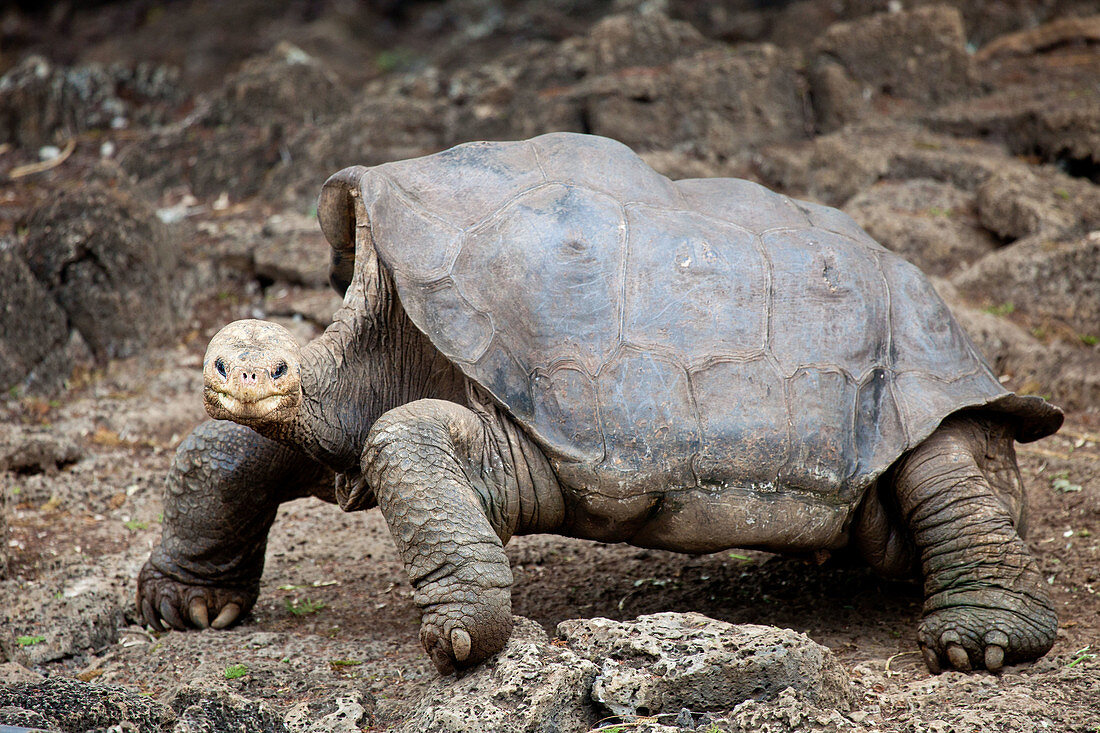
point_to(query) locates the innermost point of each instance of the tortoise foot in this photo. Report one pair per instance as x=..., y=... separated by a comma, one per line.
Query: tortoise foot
x=461, y=635
x=164, y=601
x=986, y=630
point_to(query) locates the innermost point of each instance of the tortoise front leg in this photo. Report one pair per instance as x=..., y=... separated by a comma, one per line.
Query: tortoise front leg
x=985, y=600
x=440, y=481
x=221, y=496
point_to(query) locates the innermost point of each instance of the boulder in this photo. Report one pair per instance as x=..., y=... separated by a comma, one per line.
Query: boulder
x=832, y=168
x=625, y=40
x=662, y=672
x=530, y=685
x=221, y=711
x=86, y=615
x=724, y=103
x=1068, y=374
x=664, y=662
x=932, y=224
x=1043, y=277
x=42, y=103
x=36, y=451
x=789, y=712
x=105, y=259
x=918, y=55
x=242, y=130
x=1020, y=201
x=1060, y=125
x=340, y=714
x=33, y=328
x=286, y=84
x=74, y=706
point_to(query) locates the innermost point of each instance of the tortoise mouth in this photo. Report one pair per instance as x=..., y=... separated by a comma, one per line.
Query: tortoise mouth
x=223, y=405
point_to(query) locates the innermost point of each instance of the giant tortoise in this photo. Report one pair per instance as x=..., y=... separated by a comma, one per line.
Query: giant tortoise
x=549, y=336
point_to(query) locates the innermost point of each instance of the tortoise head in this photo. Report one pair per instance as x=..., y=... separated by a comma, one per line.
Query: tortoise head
x=252, y=374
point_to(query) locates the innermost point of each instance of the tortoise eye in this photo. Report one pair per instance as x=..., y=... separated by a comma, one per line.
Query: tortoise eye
x=280, y=370
x=220, y=366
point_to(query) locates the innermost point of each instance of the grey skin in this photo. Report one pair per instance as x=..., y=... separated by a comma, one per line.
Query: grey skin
x=547, y=336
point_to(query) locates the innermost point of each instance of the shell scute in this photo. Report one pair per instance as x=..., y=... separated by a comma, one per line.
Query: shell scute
x=742, y=409
x=645, y=416
x=547, y=268
x=693, y=286
x=823, y=457
x=829, y=304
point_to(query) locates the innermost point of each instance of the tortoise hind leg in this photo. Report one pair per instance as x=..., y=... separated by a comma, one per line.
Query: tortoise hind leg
x=960, y=494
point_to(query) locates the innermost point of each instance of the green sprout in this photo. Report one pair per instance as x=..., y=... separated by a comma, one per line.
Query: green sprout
x=234, y=671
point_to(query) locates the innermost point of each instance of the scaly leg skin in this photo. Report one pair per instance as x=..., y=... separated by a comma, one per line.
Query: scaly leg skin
x=439, y=480
x=221, y=496
x=986, y=604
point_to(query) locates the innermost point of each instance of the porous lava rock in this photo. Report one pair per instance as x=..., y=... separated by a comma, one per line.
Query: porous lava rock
x=664, y=662
x=918, y=55
x=1046, y=277
x=41, y=102
x=73, y=706
x=932, y=224
x=664, y=668
x=108, y=263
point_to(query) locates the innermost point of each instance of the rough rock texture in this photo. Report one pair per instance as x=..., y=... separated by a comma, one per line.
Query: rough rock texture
x=339, y=714
x=109, y=263
x=789, y=711
x=932, y=224
x=42, y=103
x=918, y=55
x=1058, y=279
x=80, y=618
x=667, y=661
x=833, y=168
x=36, y=451
x=665, y=667
x=531, y=685
x=32, y=350
x=1069, y=374
x=72, y=706
x=3, y=534
x=18, y=716
x=634, y=40
x=1020, y=201
x=282, y=84
x=1056, y=124
x=724, y=102
x=273, y=97
x=649, y=81
x=221, y=711
x=508, y=71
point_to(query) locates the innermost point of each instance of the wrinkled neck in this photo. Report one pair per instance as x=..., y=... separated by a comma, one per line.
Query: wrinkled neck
x=359, y=368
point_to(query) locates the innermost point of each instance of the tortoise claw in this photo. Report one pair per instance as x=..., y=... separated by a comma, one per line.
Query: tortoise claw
x=199, y=615
x=169, y=613
x=930, y=659
x=460, y=644
x=994, y=658
x=227, y=616
x=958, y=657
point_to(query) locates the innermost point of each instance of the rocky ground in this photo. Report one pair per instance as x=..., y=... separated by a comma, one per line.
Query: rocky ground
x=159, y=165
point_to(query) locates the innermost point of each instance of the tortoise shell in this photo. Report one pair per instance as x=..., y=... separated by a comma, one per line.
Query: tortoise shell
x=649, y=332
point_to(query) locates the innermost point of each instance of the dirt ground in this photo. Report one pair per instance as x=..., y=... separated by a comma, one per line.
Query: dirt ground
x=335, y=615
